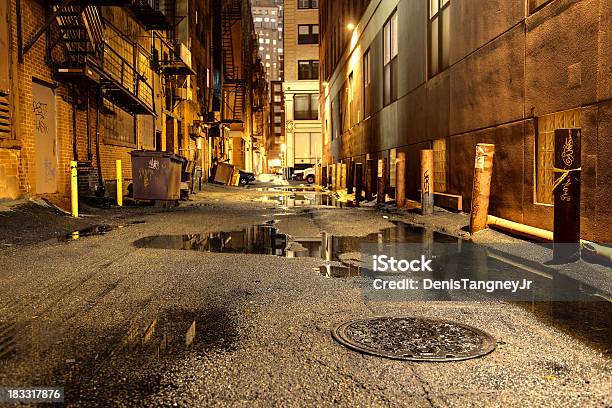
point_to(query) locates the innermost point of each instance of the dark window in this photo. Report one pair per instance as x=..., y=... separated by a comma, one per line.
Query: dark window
x=390, y=60
x=439, y=35
x=308, y=69
x=119, y=125
x=305, y=107
x=308, y=4
x=308, y=34
x=367, y=88
x=535, y=5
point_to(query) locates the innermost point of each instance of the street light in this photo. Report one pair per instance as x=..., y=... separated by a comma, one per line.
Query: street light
x=350, y=26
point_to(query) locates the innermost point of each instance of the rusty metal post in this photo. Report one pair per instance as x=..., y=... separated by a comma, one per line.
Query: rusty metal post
x=323, y=176
x=566, y=190
x=427, y=190
x=334, y=177
x=481, y=190
x=358, y=181
x=350, y=176
x=381, y=191
x=400, y=181
x=369, y=175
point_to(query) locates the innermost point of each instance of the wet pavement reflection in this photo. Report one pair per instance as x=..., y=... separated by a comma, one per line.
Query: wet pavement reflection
x=584, y=310
x=306, y=199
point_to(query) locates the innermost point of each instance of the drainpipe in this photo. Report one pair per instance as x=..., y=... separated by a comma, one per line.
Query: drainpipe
x=89, y=153
x=544, y=235
x=100, y=190
x=75, y=147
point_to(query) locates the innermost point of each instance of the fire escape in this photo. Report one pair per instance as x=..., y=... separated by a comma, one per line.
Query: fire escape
x=87, y=60
x=234, y=86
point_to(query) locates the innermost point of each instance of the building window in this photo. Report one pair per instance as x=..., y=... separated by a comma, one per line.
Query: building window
x=308, y=34
x=367, y=79
x=535, y=5
x=119, y=125
x=439, y=35
x=351, y=97
x=439, y=148
x=545, y=150
x=308, y=69
x=305, y=107
x=147, y=131
x=390, y=60
x=308, y=4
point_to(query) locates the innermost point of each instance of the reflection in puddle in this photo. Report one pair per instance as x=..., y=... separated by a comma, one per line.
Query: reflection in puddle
x=86, y=232
x=257, y=239
x=306, y=200
x=94, y=230
x=583, y=312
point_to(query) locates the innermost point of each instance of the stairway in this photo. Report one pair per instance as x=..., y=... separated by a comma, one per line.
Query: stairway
x=232, y=14
x=81, y=29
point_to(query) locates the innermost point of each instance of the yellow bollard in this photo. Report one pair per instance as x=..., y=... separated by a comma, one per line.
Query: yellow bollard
x=119, y=184
x=74, y=189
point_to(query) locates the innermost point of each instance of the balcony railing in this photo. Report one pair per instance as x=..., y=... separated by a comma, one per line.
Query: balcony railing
x=153, y=14
x=123, y=78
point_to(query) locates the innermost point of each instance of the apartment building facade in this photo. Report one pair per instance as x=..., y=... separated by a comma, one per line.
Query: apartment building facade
x=447, y=74
x=301, y=85
x=268, y=18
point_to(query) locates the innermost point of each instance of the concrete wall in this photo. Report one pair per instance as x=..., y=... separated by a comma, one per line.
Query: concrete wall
x=506, y=69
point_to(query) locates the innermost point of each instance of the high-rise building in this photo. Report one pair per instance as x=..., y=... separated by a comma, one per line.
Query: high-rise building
x=268, y=19
x=301, y=84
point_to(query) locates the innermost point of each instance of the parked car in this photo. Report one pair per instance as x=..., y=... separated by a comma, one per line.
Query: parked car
x=246, y=177
x=307, y=174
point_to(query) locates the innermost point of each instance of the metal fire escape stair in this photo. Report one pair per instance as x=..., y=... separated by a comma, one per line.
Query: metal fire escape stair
x=91, y=60
x=234, y=85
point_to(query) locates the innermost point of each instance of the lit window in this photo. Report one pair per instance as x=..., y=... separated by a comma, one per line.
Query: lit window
x=305, y=107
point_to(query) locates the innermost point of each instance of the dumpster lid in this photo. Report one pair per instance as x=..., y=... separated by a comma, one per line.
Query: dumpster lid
x=158, y=154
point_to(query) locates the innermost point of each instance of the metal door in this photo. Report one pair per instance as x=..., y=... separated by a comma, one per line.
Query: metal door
x=45, y=138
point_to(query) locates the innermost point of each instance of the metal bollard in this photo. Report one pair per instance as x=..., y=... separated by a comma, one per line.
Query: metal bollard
x=74, y=189
x=119, y=184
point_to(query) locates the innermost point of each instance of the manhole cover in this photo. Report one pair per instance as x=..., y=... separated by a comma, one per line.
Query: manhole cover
x=409, y=338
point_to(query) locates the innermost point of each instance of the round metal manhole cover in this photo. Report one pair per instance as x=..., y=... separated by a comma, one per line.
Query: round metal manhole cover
x=410, y=338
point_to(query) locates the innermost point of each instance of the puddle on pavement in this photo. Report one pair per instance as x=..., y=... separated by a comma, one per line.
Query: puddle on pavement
x=588, y=319
x=94, y=230
x=305, y=199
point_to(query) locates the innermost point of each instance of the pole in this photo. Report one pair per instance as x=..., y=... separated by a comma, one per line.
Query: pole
x=381, y=193
x=119, y=184
x=358, y=181
x=400, y=183
x=369, y=175
x=427, y=193
x=350, y=176
x=481, y=190
x=343, y=170
x=323, y=182
x=74, y=189
x=566, y=191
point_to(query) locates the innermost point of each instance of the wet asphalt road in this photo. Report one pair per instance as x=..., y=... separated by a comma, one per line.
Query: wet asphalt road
x=117, y=325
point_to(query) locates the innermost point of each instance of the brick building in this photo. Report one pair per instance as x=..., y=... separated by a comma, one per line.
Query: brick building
x=405, y=75
x=99, y=81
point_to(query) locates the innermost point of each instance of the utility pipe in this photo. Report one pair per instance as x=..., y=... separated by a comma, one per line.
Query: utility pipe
x=545, y=235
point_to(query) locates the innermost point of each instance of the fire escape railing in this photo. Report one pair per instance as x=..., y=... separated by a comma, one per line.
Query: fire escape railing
x=234, y=85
